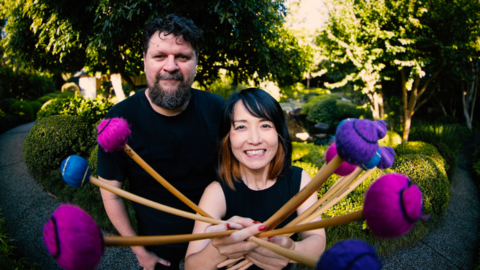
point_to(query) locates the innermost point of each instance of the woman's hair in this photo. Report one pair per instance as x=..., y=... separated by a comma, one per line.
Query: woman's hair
x=262, y=105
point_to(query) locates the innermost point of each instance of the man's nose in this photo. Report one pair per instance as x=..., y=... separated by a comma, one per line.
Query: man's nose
x=170, y=64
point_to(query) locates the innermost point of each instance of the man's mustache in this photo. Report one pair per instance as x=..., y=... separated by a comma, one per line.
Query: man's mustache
x=174, y=76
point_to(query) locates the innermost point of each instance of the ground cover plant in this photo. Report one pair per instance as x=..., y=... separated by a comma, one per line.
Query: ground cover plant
x=8, y=257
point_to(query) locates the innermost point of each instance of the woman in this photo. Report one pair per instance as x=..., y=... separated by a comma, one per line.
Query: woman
x=256, y=179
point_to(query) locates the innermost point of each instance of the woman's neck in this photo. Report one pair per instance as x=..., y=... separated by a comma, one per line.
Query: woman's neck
x=256, y=179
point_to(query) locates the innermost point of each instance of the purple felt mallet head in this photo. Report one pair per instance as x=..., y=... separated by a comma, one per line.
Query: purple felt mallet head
x=344, y=169
x=357, y=141
x=381, y=128
x=388, y=157
x=392, y=205
x=350, y=254
x=73, y=239
x=113, y=134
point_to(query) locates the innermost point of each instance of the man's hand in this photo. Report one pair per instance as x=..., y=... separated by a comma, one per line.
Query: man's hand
x=148, y=259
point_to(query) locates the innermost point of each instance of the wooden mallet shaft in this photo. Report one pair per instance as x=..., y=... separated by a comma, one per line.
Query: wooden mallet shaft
x=152, y=204
x=287, y=253
x=162, y=181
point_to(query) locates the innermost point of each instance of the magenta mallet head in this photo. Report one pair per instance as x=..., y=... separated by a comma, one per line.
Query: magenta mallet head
x=392, y=206
x=357, y=141
x=344, y=169
x=73, y=238
x=113, y=134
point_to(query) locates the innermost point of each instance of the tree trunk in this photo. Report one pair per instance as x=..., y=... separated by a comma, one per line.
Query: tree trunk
x=116, y=80
x=469, y=96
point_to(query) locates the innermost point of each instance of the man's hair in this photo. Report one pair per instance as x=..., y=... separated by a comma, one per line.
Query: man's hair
x=260, y=104
x=176, y=25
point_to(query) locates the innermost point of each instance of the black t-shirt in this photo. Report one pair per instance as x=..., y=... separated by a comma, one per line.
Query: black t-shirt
x=180, y=148
x=260, y=205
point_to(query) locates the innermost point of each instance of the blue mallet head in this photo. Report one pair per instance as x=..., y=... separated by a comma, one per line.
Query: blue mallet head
x=75, y=171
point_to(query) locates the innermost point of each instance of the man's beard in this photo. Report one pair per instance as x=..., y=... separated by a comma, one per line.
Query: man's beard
x=169, y=99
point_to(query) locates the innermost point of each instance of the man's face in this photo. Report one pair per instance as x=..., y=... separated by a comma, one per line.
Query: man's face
x=170, y=66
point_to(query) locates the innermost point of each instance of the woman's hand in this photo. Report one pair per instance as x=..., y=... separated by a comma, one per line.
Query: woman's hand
x=266, y=259
x=235, y=245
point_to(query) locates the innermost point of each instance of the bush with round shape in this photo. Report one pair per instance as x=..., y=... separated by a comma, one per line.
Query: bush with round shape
x=53, y=138
x=8, y=122
x=6, y=103
x=36, y=106
x=423, y=148
x=299, y=150
x=44, y=99
x=346, y=109
x=70, y=87
x=323, y=111
x=391, y=139
x=23, y=111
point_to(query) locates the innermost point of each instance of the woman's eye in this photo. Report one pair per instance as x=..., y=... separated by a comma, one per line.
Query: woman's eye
x=239, y=127
x=266, y=126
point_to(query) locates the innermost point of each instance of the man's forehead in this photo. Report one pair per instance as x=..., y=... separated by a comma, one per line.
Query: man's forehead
x=165, y=36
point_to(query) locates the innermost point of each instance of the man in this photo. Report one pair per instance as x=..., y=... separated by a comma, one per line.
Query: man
x=174, y=129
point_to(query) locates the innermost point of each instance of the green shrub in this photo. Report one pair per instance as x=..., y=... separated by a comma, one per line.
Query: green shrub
x=92, y=161
x=23, y=84
x=392, y=139
x=451, y=158
x=23, y=111
x=323, y=111
x=54, y=138
x=308, y=167
x=36, y=106
x=423, y=148
x=70, y=87
x=452, y=135
x=90, y=110
x=347, y=109
x=5, y=104
x=44, y=99
x=299, y=150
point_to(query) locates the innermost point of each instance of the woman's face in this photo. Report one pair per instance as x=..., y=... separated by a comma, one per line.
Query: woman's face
x=254, y=141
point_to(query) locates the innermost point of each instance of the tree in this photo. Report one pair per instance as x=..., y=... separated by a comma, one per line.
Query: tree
x=244, y=37
x=415, y=39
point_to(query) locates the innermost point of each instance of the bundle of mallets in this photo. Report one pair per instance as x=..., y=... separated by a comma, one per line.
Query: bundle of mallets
x=391, y=207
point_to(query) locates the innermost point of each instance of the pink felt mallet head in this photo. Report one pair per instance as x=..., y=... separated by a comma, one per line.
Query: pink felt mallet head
x=73, y=239
x=392, y=205
x=113, y=134
x=344, y=169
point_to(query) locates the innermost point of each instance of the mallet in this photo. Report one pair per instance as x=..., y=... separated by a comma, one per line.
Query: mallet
x=76, y=173
x=113, y=135
x=349, y=254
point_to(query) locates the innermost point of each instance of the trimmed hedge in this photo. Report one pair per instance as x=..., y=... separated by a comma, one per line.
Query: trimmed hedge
x=23, y=111
x=53, y=139
x=391, y=139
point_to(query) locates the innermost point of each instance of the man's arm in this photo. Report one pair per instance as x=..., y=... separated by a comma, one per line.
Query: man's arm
x=118, y=215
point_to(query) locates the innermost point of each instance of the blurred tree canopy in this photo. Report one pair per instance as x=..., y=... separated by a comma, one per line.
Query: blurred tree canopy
x=412, y=42
x=244, y=37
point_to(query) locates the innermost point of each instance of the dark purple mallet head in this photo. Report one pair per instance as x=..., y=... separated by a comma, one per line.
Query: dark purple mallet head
x=73, y=239
x=75, y=171
x=349, y=255
x=373, y=162
x=388, y=157
x=381, y=128
x=356, y=141
x=392, y=206
x=113, y=134
x=344, y=169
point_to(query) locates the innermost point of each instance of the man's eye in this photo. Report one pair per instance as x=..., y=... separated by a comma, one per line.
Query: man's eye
x=160, y=56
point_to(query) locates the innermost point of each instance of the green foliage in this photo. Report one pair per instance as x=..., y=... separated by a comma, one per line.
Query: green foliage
x=299, y=150
x=36, y=106
x=311, y=169
x=391, y=139
x=23, y=85
x=70, y=87
x=54, y=138
x=346, y=109
x=224, y=87
x=90, y=110
x=23, y=111
x=323, y=111
x=5, y=104
x=9, y=122
x=92, y=161
x=8, y=258
x=105, y=36
x=452, y=135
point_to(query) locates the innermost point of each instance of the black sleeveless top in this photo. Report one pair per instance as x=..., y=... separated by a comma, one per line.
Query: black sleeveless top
x=260, y=205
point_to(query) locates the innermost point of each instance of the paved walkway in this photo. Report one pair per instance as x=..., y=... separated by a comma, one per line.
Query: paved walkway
x=27, y=207
x=452, y=244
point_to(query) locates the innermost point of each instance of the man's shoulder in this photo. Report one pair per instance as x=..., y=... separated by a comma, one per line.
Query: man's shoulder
x=207, y=97
x=126, y=106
